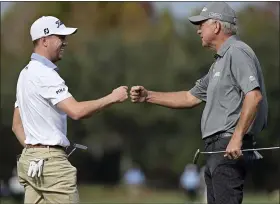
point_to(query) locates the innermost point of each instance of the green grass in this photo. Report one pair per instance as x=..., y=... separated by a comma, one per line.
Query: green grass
x=121, y=195
x=97, y=194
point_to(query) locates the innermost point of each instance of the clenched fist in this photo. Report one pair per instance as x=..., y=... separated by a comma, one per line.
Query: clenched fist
x=120, y=94
x=233, y=150
x=138, y=94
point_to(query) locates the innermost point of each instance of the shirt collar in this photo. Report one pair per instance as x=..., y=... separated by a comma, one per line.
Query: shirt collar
x=44, y=61
x=225, y=46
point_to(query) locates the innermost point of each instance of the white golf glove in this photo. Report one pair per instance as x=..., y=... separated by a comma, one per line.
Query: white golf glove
x=35, y=168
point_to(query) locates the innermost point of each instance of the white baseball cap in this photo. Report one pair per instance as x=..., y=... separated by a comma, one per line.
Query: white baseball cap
x=49, y=25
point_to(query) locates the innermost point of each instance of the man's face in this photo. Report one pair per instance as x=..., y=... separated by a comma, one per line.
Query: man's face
x=55, y=46
x=207, y=31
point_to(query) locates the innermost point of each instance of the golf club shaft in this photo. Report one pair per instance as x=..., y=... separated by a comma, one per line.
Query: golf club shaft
x=243, y=150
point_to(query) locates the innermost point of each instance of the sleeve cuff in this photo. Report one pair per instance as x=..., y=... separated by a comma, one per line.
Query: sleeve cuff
x=63, y=97
x=195, y=92
x=250, y=87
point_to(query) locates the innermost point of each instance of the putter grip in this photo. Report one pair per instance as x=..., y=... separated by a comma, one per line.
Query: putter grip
x=79, y=146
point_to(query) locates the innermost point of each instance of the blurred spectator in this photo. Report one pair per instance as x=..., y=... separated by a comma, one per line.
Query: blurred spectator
x=134, y=176
x=190, y=181
x=16, y=189
x=4, y=190
x=134, y=179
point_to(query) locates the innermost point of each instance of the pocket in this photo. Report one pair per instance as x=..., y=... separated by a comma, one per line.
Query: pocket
x=69, y=175
x=221, y=144
x=60, y=176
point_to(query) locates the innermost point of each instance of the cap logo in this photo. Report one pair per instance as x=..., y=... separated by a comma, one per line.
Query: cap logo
x=215, y=15
x=58, y=23
x=204, y=9
x=46, y=31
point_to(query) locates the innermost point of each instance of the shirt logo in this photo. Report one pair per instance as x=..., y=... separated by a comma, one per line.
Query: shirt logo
x=217, y=74
x=204, y=9
x=252, y=78
x=60, y=90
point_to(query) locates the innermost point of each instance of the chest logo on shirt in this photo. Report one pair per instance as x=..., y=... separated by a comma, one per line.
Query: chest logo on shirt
x=252, y=78
x=217, y=74
x=60, y=90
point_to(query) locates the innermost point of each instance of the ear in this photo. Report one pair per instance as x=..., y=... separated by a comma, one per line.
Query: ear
x=218, y=27
x=44, y=41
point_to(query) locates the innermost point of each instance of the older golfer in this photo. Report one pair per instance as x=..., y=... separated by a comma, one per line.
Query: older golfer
x=40, y=116
x=235, y=102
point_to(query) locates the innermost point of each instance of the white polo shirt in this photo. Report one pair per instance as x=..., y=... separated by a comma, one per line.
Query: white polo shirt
x=39, y=89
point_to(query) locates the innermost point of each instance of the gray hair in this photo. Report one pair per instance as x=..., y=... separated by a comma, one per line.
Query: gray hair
x=227, y=28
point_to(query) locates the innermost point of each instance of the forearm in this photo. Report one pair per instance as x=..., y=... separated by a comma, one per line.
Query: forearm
x=176, y=100
x=247, y=116
x=19, y=132
x=85, y=109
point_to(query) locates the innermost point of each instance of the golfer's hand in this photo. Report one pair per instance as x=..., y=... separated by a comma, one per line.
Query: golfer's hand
x=233, y=150
x=120, y=94
x=138, y=94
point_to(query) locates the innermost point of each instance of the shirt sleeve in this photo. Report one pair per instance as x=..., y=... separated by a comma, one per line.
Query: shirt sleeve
x=53, y=88
x=244, y=70
x=200, y=88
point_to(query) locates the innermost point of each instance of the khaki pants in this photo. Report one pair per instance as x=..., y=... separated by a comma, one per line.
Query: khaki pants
x=58, y=183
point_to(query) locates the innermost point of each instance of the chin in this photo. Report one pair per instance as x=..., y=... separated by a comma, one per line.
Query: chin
x=60, y=57
x=205, y=44
x=56, y=59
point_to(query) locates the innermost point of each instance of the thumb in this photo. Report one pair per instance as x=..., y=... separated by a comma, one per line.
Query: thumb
x=134, y=88
x=139, y=88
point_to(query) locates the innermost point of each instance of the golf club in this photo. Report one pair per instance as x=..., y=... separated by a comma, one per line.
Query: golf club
x=198, y=152
x=79, y=146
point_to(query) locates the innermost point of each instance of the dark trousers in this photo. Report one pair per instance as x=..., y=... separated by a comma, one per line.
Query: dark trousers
x=224, y=177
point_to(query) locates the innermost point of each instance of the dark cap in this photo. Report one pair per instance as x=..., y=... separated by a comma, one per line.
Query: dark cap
x=215, y=10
